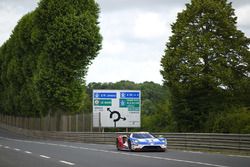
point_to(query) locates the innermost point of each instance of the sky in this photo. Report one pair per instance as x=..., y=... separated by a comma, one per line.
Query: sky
x=134, y=35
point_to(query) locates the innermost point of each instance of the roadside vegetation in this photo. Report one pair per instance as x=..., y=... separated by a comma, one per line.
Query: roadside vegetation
x=45, y=60
x=205, y=68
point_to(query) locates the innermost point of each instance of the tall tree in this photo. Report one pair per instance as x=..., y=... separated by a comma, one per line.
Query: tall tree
x=44, y=63
x=71, y=40
x=206, y=63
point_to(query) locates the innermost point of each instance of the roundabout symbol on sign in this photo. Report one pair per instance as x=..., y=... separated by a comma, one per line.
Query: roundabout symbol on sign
x=118, y=116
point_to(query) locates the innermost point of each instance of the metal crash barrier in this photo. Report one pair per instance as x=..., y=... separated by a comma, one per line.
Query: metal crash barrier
x=232, y=143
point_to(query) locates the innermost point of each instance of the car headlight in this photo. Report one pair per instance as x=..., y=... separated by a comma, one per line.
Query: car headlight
x=163, y=140
x=135, y=142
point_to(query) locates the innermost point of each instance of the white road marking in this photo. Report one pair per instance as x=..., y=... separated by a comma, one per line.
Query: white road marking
x=153, y=157
x=52, y=144
x=44, y=156
x=72, y=146
x=28, y=152
x=241, y=156
x=16, y=149
x=6, y=147
x=186, y=161
x=66, y=162
x=0, y=145
x=115, y=152
x=195, y=152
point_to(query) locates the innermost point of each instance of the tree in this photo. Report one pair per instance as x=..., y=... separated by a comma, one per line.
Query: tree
x=44, y=63
x=206, y=63
x=233, y=121
x=72, y=41
x=18, y=65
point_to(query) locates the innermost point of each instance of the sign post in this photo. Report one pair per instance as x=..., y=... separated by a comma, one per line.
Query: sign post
x=117, y=108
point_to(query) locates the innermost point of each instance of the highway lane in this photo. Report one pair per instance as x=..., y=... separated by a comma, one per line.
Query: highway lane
x=10, y=158
x=24, y=152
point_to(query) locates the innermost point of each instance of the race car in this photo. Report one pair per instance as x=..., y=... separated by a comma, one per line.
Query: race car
x=141, y=141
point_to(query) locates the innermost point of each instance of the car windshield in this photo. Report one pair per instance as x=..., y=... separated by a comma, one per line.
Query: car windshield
x=142, y=135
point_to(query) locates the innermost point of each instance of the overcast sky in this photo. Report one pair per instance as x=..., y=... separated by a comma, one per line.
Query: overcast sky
x=134, y=34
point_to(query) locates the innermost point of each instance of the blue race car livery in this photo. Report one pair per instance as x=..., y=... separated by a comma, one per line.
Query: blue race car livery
x=141, y=141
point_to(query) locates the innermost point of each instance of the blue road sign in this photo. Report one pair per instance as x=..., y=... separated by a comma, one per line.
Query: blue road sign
x=105, y=95
x=130, y=95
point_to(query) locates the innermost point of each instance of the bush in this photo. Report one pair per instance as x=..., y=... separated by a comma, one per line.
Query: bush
x=233, y=121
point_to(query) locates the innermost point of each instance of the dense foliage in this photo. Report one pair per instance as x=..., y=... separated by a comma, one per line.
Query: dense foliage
x=44, y=62
x=235, y=120
x=206, y=66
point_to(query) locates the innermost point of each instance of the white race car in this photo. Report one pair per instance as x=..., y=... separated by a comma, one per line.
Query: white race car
x=141, y=141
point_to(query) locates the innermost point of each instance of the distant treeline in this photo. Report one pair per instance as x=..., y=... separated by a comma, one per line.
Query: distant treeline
x=158, y=115
x=155, y=104
x=205, y=68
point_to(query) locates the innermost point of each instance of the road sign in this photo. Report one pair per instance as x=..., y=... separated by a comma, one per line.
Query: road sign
x=108, y=95
x=102, y=102
x=130, y=95
x=130, y=104
x=116, y=108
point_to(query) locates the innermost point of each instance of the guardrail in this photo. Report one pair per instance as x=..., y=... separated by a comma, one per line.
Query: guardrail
x=233, y=143
x=72, y=123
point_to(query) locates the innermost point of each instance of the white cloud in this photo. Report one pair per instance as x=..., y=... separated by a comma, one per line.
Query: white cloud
x=133, y=44
x=243, y=16
x=115, y=47
x=11, y=12
x=7, y=24
x=134, y=35
x=113, y=70
x=243, y=21
x=149, y=25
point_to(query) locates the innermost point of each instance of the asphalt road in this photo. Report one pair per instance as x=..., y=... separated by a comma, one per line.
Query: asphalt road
x=19, y=151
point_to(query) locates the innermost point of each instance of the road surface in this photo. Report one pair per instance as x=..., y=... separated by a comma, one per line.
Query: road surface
x=20, y=151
